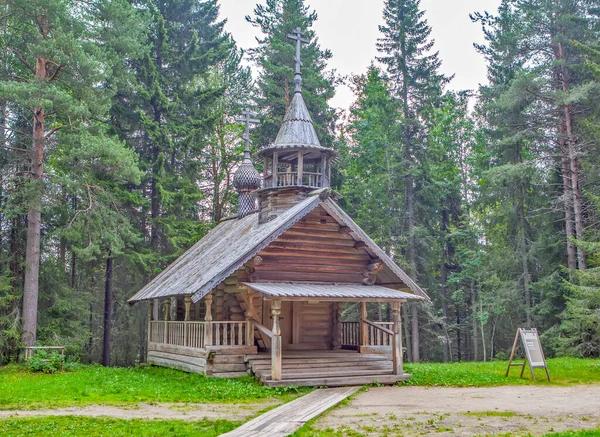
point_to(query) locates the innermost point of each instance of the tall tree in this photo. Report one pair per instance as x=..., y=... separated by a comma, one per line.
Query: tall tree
x=406, y=50
x=67, y=52
x=275, y=58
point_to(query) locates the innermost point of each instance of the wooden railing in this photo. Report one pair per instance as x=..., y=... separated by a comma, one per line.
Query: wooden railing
x=350, y=333
x=288, y=179
x=229, y=333
x=378, y=333
x=157, y=332
x=196, y=334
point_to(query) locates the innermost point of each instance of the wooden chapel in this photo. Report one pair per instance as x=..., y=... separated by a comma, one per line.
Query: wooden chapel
x=262, y=293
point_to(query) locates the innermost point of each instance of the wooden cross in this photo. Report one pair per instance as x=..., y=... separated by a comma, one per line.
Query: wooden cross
x=247, y=119
x=297, y=36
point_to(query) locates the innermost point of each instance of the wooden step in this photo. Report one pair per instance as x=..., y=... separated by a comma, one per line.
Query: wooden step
x=229, y=374
x=267, y=365
x=320, y=374
x=228, y=359
x=338, y=381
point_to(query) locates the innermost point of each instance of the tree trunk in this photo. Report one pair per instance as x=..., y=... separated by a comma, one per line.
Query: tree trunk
x=34, y=219
x=414, y=324
x=407, y=341
x=573, y=160
x=108, y=301
x=443, y=287
x=474, y=335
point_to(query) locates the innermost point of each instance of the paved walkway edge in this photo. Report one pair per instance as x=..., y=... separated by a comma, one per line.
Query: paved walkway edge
x=285, y=420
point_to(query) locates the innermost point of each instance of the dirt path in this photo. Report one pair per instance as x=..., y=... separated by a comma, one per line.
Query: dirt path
x=413, y=411
x=233, y=412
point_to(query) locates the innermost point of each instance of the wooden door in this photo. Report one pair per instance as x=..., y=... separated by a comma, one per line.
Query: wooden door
x=286, y=321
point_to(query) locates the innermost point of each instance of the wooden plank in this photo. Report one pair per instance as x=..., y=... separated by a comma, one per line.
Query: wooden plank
x=338, y=381
x=284, y=420
x=178, y=350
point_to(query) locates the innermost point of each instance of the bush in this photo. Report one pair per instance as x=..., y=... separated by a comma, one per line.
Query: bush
x=45, y=362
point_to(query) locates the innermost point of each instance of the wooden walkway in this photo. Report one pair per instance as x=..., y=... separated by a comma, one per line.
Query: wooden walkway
x=284, y=420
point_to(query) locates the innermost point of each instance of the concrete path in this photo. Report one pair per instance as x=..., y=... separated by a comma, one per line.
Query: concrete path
x=284, y=420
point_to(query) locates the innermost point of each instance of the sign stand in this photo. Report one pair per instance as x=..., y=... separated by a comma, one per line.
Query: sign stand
x=534, y=355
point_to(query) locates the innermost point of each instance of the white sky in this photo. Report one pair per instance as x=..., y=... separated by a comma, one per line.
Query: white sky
x=349, y=28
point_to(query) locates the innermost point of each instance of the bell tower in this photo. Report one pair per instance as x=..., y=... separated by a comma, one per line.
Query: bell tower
x=296, y=163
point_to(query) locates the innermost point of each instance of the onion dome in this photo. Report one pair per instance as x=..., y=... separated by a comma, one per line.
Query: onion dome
x=246, y=178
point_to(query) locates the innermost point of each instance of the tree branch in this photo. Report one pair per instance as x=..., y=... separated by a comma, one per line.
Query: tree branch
x=16, y=149
x=52, y=132
x=22, y=79
x=24, y=62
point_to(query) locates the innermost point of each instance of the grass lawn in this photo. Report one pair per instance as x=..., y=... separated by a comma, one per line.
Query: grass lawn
x=563, y=371
x=21, y=389
x=70, y=426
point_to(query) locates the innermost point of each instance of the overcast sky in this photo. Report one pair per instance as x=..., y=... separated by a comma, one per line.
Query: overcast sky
x=349, y=28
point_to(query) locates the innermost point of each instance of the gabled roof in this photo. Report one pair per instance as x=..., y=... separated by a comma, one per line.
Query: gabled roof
x=233, y=243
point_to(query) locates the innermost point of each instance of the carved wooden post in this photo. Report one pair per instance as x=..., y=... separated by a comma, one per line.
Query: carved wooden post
x=276, y=341
x=275, y=164
x=364, y=333
x=208, y=331
x=187, y=303
x=397, y=340
x=150, y=314
x=300, y=167
x=167, y=317
x=249, y=315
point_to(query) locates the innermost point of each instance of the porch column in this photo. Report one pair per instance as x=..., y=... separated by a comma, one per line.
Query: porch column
x=250, y=315
x=150, y=318
x=208, y=331
x=276, y=341
x=167, y=317
x=187, y=303
x=364, y=333
x=397, y=340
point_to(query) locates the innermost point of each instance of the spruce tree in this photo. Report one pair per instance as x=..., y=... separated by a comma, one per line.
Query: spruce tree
x=406, y=50
x=275, y=58
x=170, y=108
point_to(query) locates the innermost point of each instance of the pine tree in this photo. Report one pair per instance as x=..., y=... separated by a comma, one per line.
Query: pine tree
x=275, y=59
x=406, y=50
x=61, y=58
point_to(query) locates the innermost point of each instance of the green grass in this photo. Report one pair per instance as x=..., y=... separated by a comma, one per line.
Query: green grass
x=563, y=371
x=71, y=426
x=87, y=385
x=592, y=433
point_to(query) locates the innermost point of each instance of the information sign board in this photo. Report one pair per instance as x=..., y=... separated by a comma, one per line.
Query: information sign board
x=534, y=354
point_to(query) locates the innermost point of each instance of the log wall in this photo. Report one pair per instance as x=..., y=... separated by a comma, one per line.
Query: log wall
x=177, y=357
x=316, y=249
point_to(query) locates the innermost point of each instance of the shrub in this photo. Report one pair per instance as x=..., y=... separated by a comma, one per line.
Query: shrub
x=45, y=362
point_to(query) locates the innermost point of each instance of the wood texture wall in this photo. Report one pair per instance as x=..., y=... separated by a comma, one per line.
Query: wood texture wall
x=315, y=249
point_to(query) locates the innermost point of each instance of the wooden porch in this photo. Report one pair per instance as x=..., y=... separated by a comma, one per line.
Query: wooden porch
x=360, y=352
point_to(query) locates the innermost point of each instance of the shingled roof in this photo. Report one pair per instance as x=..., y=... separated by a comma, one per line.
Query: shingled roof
x=234, y=242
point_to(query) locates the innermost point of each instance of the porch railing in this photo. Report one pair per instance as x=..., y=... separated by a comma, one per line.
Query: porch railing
x=199, y=334
x=378, y=333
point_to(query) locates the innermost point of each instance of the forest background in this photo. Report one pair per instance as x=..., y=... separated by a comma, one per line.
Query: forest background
x=118, y=142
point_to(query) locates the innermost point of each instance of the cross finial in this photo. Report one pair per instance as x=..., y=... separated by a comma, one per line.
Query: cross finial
x=297, y=36
x=247, y=119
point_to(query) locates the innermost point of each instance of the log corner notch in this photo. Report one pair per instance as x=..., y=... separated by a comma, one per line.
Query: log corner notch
x=370, y=273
